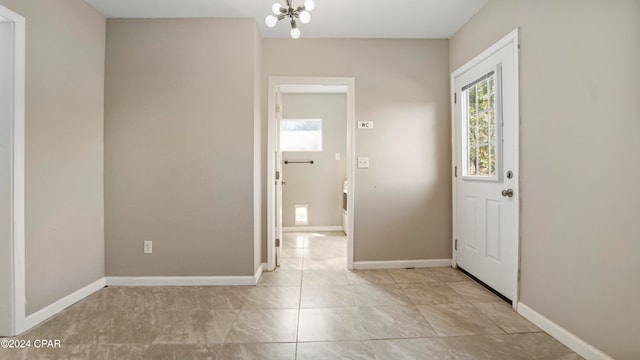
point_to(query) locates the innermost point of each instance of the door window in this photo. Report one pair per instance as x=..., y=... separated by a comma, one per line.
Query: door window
x=480, y=142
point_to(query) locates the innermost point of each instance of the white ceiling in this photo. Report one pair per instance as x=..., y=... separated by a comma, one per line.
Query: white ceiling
x=406, y=19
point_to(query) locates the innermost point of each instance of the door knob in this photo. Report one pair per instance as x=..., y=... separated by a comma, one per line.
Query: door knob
x=507, y=193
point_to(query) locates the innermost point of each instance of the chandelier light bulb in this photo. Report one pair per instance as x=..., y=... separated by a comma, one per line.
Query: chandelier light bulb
x=309, y=5
x=271, y=21
x=305, y=17
x=295, y=33
x=276, y=8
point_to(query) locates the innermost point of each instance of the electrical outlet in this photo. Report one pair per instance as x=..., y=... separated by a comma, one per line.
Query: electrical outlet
x=148, y=247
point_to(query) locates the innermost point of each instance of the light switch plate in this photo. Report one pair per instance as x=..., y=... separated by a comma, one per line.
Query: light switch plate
x=363, y=162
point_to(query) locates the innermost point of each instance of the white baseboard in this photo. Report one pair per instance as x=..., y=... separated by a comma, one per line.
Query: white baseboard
x=180, y=280
x=401, y=264
x=561, y=334
x=312, y=229
x=54, y=308
x=259, y=272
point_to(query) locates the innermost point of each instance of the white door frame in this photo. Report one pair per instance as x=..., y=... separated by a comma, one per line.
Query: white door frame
x=16, y=293
x=274, y=82
x=512, y=37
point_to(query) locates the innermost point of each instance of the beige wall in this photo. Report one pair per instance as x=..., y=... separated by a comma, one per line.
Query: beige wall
x=64, y=147
x=319, y=185
x=179, y=161
x=403, y=202
x=580, y=123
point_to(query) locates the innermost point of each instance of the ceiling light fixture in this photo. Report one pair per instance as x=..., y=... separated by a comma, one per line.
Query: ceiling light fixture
x=288, y=11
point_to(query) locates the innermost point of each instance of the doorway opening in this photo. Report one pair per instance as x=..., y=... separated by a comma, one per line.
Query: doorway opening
x=311, y=147
x=12, y=242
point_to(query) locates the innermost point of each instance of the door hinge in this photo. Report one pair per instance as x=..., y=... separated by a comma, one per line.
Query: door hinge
x=278, y=108
x=277, y=175
x=277, y=242
x=455, y=98
x=455, y=245
x=455, y=171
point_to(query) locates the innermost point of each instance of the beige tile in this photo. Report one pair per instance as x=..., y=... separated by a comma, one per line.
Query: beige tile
x=457, y=320
x=14, y=354
x=375, y=276
x=337, y=263
x=292, y=253
x=412, y=349
x=325, y=249
x=291, y=263
x=541, y=346
x=330, y=325
x=394, y=322
x=181, y=351
x=286, y=278
x=269, y=325
x=223, y=297
x=193, y=326
x=484, y=347
x=326, y=297
x=98, y=352
x=263, y=351
x=432, y=293
x=263, y=297
x=509, y=347
x=473, y=292
x=449, y=274
x=293, y=241
x=407, y=276
x=379, y=294
x=506, y=318
x=353, y=350
x=324, y=277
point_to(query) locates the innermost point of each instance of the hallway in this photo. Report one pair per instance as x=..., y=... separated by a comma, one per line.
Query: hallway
x=310, y=308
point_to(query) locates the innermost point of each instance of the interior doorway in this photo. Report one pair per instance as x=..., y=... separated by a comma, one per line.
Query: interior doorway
x=12, y=70
x=309, y=150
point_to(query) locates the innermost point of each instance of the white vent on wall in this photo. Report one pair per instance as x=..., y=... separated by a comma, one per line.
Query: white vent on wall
x=302, y=214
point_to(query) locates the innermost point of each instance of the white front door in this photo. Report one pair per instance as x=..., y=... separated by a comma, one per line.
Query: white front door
x=486, y=175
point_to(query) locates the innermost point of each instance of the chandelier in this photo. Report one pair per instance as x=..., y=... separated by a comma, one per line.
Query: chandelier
x=288, y=11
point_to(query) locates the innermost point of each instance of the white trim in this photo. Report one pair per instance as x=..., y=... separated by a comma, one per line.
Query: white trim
x=563, y=335
x=56, y=307
x=258, y=273
x=18, y=301
x=313, y=89
x=182, y=280
x=512, y=37
x=274, y=82
x=402, y=264
x=312, y=228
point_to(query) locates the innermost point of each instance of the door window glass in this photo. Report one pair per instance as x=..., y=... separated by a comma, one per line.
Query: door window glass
x=479, y=127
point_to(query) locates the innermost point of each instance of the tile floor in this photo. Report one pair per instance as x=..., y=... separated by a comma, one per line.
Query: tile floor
x=310, y=308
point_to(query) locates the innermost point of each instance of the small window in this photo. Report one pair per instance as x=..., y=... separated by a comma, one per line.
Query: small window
x=479, y=128
x=301, y=135
x=302, y=215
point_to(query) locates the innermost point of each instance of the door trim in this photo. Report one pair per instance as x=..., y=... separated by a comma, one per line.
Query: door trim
x=17, y=292
x=511, y=38
x=274, y=82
